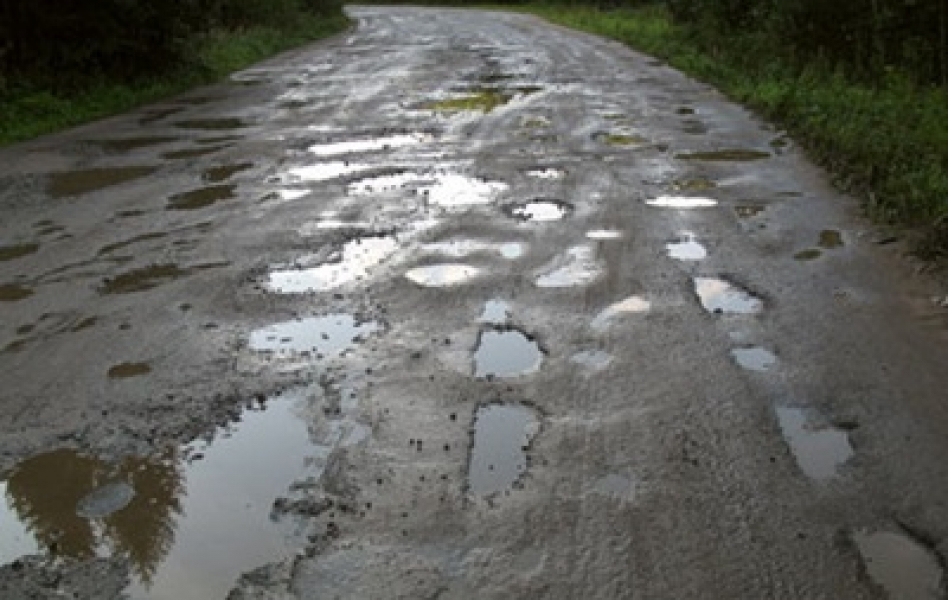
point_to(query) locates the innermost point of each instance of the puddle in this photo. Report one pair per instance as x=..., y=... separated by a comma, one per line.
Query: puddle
x=169, y=514
x=129, y=144
x=687, y=248
x=614, y=486
x=326, y=171
x=212, y=124
x=733, y=154
x=291, y=194
x=453, y=189
x=754, y=359
x=698, y=184
x=442, y=275
x=327, y=335
x=808, y=254
x=224, y=172
x=128, y=370
x=631, y=305
x=481, y=101
x=604, y=234
x=747, y=211
x=541, y=210
x=818, y=451
x=502, y=433
x=17, y=250
x=546, y=173
x=383, y=183
x=76, y=183
x=462, y=248
x=145, y=278
x=580, y=269
x=682, y=202
x=12, y=292
x=355, y=260
x=905, y=568
x=202, y=197
x=534, y=122
x=720, y=296
x=594, y=360
x=496, y=312
x=367, y=145
x=694, y=127
x=506, y=353
x=830, y=239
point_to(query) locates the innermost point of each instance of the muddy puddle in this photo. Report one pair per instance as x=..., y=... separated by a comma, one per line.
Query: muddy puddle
x=189, y=520
x=902, y=566
x=580, y=268
x=496, y=312
x=695, y=184
x=329, y=335
x=540, y=210
x=682, y=202
x=754, y=358
x=15, y=251
x=506, y=353
x=326, y=171
x=443, y=275
x=13, y=292
x=120, y=145
x=729, y=155
x=819, y=451
x=808, y=254
x=222, y=173
x=501, y=435
x=686, y=248
x=202, y=197
x=463, y=248
x=128, y=370
x=217, y=124
x=719, y=296
x=604, y=234
x=630, y=306
x=377, y=144
x=352, y=263
x=77, y=183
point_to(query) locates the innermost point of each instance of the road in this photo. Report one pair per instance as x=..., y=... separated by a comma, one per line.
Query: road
x=459, y=305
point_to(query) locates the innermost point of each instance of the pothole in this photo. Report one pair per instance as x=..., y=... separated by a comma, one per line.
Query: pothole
x=604, y=234
x=808, y=254
x=540, y=210
x=354, y=263
x=506, y=353
x=484, y=100
x=15, y=251
x=377, y=144
x=686, y=248
x=127, y=370
x=754, y=358
x=819, y=451
x=682, y=202
x=77, y=183
x=730, y=154
x=163, y=512
x=631, y=305
x=222, y=173
x=452, y=190
x=326, y=171
x=905, y=568
x=830, y=239
x=580, y=268
x=329, y=335
x=463, y=248
x=444, y=275
x=720, y=296
x=496, y=312
x=202, y=197
x=501, y=435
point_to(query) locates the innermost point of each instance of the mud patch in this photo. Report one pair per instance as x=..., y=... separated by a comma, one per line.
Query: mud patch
x=201, y=197
x=224, y=172
x=501, y=435
x=443, y=275
x=354, y=262
x=719, y=296
x=687, y=248
x=808, y=254
x=540, y=210
x=682, y=202
x=905, y=568
x=754, y=358
x=730, y=155
x=506, y=353
x=77, y=183
x=327, y=335
x=212, y=124
x=17, y=250
x=830, y=239
x=128, y=370
x=496, y=312
x=581, y=269
x=819, y=451
x=12, y=292
x=390, y=142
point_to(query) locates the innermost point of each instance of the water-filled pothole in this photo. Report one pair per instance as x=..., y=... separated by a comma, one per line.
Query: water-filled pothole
x=819, y=451
x=76, y=183
x=580, y=268
x=905, y=568
x=546, y=173
x=733, y=154
x=17, y=250
x=453, y=189
x=189, y=520
x=355, y=261
x=631, y=305
x=682, y=202
x=443, y=275
x=496, y=312
x=754, y=358
x=326, y=171
x=808, y=254
x=686, y=248
x=720, y=296
x=377, y=144
x=326, y=335
x=604, y=234
x=201, y=197
x=506, y=353
x=465, y=247
x=830, y=239
x=484, y=100
x=127, y=370
x=540, y=210
x=502, y=433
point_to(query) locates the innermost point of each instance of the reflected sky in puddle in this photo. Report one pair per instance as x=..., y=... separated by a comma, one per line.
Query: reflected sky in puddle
x=496, y=312
x=541, y=210
x=498, y=458
x=631, y=305
x=187, y=527
x=326, y=335
x=546, y=173
x=720, y=296
x=604, y=234
x=906, y=569
x=682, y=202
x=442, y=275
x=819, y=451
x=326, y=171
x=506, y=353
x=686, y=248
x=356, y=259
x=462, y=248
x=580, y=268
x=452, y=190
x=754, y=358
x=383, y=183
x=367, y=145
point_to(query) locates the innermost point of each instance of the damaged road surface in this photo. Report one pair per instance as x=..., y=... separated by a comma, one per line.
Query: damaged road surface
x=459, y=305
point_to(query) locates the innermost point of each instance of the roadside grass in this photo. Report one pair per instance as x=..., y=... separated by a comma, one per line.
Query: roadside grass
x=29, y=109
x=886, y=143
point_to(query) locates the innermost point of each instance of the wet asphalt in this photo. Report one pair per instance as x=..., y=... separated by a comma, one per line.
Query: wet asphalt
x=459, y=305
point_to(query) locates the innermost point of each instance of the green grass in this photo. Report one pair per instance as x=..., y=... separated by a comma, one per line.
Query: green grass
x=27, y=110
x=887, y=143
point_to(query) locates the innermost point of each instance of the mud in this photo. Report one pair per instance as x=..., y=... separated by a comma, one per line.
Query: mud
x=13, y=292
x=483, y=101
x=188, y=153
x=129, y=370
x=212, y=124
x=202, y=197
x=728, y=155
x=77, y=183
x=143, y=279
x=224, y=172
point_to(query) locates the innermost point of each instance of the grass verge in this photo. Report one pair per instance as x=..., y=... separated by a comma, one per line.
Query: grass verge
x=887, y=143
x=27, y=110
